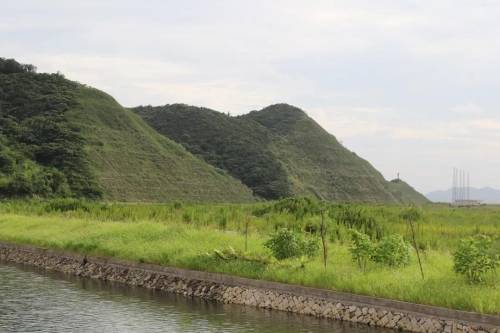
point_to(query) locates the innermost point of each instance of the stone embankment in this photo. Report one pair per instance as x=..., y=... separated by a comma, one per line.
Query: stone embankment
x=269, y=295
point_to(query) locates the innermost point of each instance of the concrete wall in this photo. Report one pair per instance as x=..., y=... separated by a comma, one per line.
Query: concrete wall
x=229, y=289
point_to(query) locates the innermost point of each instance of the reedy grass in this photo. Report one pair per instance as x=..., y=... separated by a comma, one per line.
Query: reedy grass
x=187, y=235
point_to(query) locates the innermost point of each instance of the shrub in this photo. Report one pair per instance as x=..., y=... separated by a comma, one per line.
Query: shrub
x=474, y=258
x=361, y=248
x=392, y=251
x=286, y=244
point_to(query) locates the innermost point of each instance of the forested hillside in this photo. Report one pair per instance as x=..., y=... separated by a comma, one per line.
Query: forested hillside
x=278, y=151
x=41, y=152
x=59, y=138
x=237, y=145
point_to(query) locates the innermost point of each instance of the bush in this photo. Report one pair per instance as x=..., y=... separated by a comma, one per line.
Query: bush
x=361, y=249
x=392, y=251
x=474, y=258
x=286, y=244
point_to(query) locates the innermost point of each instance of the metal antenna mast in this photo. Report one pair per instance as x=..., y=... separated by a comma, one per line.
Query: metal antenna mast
x=459, y=184
x=454, y=187
x=462, y=192
x=463, y=185
x=468, y=186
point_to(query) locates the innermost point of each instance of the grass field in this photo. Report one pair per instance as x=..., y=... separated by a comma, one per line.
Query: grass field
x=188, y=235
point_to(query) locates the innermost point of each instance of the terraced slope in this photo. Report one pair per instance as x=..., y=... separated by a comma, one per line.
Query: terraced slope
x=406, y=193
x=278, y=151
x=316, y=162
x=135, y=163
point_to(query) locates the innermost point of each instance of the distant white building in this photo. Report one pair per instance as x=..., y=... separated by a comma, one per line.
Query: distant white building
x=460, y=194
x=466, y=203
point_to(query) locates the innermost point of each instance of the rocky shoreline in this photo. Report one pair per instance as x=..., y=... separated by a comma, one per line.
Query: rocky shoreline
x=262, y=294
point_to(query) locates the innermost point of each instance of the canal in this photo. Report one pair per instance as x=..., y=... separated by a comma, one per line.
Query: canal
x=33, y=300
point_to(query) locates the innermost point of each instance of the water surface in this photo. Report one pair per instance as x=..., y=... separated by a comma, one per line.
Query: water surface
x=33, y=300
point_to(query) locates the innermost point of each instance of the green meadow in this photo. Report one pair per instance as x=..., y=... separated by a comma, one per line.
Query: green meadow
x=229, y=238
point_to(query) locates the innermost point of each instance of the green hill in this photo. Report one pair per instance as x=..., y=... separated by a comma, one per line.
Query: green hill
x=406, y=193
x=278, y=151
x=61, y=138
x=237, y=145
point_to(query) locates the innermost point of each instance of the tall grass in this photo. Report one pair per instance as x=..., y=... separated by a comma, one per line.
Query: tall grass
x=441, y=228
x=187, y=236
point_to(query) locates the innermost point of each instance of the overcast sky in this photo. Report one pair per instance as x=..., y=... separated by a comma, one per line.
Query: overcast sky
x=412, y=86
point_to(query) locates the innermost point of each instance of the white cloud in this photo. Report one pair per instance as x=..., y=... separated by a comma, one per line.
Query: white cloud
x=390, y=78
x=468, y=109
x=486, y=124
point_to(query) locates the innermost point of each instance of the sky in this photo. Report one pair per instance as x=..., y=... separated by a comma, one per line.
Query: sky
x=411, y=86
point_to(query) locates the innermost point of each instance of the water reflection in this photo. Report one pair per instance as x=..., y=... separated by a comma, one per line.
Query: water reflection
x=33, y=300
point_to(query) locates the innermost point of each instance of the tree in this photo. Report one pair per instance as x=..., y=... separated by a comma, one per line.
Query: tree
x=10, y=66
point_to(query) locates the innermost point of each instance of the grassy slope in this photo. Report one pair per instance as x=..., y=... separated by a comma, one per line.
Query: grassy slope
x=406, y=193
x=182, y=237
x=317, y=163
x=134, y=163
x=278, y=151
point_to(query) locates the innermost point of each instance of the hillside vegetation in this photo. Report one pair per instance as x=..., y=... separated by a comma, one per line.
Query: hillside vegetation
x=237, y=145
x=406, y=193
x=278, y=152
x=59, y=138
x=41, y=152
